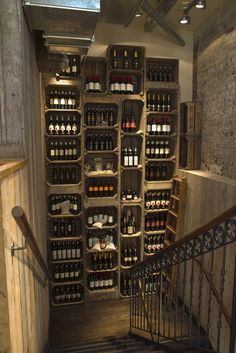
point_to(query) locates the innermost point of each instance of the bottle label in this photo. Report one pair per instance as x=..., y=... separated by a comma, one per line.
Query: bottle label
x=130, y=229
x=135, y=161
x=110, y=219
x=78, y=253
x=52, y=153
x=129, y=87
x=97, y=86
x=117, y=86
x=51, y=128
x=126, y=161
x=74, y=68
x=154, y=127
x=123, y=86
x=59, y=254
x=73, y=254
x=91, y=284
x=131, y=161
x=68, y=253
x=64, y=254
x=74, y=129
x=112, y=87
x=54, y=255
x=91, y=86
x=110, y=282
x=135, y=258
x=101, y=283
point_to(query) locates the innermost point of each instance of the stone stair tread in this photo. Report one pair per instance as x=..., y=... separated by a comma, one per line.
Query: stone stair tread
x=96, y=344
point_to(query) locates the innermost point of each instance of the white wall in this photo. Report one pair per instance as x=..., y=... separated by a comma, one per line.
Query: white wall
x=157, y=44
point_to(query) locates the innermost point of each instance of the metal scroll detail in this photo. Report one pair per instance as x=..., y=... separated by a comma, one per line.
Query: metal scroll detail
x=222, y=234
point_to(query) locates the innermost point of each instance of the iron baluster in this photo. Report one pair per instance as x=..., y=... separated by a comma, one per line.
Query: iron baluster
x=191, y=299
x=222, y=282
x=200, y=298
x=210, y=299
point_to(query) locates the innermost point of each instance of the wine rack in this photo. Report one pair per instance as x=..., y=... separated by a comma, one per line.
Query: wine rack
x=111, y=149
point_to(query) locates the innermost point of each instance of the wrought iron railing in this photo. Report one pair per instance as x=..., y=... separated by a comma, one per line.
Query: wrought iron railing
x=187, y=291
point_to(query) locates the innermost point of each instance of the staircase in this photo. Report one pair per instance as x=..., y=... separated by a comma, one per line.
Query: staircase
x=124, y=344
x=111, y=345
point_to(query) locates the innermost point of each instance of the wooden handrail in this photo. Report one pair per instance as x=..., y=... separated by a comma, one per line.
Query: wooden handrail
x=194, y=234
x=22, y=222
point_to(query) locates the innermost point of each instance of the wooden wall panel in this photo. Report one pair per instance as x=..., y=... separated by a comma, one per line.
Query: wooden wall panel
x=28, y=305
x=208, y=195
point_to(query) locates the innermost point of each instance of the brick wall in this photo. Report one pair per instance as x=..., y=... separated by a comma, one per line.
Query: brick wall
x=215, y=85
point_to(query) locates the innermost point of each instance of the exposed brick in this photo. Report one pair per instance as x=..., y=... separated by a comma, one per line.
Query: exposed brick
x=215, y=86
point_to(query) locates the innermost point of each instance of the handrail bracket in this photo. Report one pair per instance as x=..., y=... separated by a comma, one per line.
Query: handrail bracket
x=17, y=248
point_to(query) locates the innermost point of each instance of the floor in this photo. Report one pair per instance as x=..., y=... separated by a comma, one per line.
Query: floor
x=90, y=321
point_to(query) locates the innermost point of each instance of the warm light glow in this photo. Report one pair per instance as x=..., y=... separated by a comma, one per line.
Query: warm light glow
x=200, y=4
x=185, y=19
x=138, y=14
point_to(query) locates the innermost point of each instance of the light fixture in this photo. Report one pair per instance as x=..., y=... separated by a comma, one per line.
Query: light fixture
x=185, y=19
x=138, y=14
x=200, y=4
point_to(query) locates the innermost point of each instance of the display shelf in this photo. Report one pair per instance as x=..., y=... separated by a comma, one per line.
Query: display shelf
x=65, y=283
x=135, y=235
x=140, y=166
x=131, y=202
x=153, y=232
x=115, y=150
x=101, y=291
x=160, y=136
x=51, y=238
x=69, y=161
x=98, y=127
x=59, y=136
x=46, y=109
x=68, y=303
x=102, y=250
x=171, y=159
x=66, y=261
x=89, y=270
x=156, y=210
x=65, y=215
x=103, y=227
x=101, y=175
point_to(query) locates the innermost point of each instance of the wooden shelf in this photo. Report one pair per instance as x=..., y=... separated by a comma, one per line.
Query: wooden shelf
x=171, y=159
x=63, y=136
x=64, y=238
x=153, y=232
x=103, y=227
x=171, y=229
x=91, y=251
x=135, y=235
x=132, y=168
x=131, y=202
x=69, y=303
x=67, y=161
x=101, y=291
x=54, y=284
x=64, y=185
x=62, y=110
x=65, y=215
x=137, y=133
x=66, y=261
x=115, y=150
x=100, y=127
x=154, y=112
x=173, y=213
x=98, y=271
x=161, y=136
x=156, y=210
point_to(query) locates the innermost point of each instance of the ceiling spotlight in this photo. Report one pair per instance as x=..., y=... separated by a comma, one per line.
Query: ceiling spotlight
x=200, y=4
x=185, y=19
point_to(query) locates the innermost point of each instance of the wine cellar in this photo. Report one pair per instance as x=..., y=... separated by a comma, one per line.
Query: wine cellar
x=111, y=151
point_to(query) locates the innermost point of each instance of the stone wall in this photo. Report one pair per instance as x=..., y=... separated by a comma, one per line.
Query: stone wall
x=215, y=86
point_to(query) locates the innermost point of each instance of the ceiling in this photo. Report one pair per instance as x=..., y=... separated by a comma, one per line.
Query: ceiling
x=110, y=9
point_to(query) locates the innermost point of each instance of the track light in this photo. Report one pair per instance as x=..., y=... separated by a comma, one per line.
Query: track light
x=200, y=4
x=185, y=19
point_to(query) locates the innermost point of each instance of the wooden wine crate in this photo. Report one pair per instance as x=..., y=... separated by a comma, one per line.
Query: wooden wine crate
x=130, y=54
x=190, y=118
x=190, y=152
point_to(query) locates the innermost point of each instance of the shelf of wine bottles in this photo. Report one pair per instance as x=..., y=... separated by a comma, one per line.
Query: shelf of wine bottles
x=130, y=220
x=102, y=281
x=63, y=174
x=67, y=294
x=129, y=254
x=125, y=57
x=101, y=240
x=63, y=150
x=159, y=126
x=155, y=222
x=61, y=251
x=64, y=228
x=62, y=97
x=94, y=74
x=158, y=171
x=103, y=216
x=157, y=149
x=161, y=70
x=153, y=243
x=103, y=115
x=99, y=141
x=101, y=187
x=67, y=272
x=58, y=124
x=102, y=261
x=158, y=101
x=73, y=68
x=66, y=204
x=130, y=156
x=157, y=200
